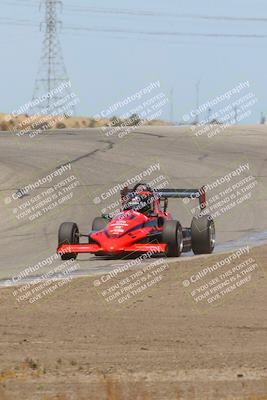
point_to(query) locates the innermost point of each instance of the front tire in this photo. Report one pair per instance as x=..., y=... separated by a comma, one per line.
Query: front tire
x=98, y=224
x=68, y=233
x=203, y=235
x=172, y=235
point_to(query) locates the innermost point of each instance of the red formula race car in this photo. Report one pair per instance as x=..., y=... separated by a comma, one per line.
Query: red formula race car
x=142, y=225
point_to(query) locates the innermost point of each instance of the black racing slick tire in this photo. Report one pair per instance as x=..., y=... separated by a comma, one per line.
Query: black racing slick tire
x=99, y=223
x=68, y=233
x=203, y=234
x=172, y=235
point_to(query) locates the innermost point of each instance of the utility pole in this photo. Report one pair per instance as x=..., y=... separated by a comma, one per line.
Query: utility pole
x=236, y=113
x=197, y=100
x=171, y=105
x=263, y=119
x=209, y=115
x=52, y=74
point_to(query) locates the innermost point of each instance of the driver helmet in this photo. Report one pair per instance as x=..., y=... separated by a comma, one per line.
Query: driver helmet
x=139, y=202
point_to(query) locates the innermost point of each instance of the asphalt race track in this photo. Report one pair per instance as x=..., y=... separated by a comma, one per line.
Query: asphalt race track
x=98, y=163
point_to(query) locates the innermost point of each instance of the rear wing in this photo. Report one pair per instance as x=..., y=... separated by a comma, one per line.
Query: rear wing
x=199, y=194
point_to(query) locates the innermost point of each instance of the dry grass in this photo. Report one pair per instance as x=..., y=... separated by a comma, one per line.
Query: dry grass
x=9, y=123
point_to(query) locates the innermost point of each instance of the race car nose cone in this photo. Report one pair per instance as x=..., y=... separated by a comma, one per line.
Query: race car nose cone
x=110, y=249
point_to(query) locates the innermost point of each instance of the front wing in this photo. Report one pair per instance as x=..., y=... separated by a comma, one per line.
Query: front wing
x=95, y=248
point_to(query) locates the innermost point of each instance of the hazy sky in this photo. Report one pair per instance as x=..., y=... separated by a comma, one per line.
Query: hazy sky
x=106, y=67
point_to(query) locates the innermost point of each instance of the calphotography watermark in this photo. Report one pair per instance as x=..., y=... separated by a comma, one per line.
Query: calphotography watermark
x=127, y=281
x=225, y=193
x=38, y=281
x=35, y=118
x=218, y=280
x=218, y=121
x=213, y=118
x=226, y=96
x=43, y=195
x=110, y=199
x=135, y=110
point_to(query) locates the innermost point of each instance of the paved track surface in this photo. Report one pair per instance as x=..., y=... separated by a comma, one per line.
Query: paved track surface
x=99, y=163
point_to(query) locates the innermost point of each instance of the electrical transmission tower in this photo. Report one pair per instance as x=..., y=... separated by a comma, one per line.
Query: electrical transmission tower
x=52, y=84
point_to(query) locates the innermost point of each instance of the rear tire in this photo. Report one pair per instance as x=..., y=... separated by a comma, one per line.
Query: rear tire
x=68, y=233
x=203, y=235
x=172, y=235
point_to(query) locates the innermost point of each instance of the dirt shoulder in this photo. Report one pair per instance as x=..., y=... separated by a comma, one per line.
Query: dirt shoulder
x=163, y=343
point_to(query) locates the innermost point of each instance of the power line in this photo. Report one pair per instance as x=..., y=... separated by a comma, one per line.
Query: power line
x=149, y=13
x=12, y=21
x=26, y=22
x=168, y=33
x=143, y=13
x=19, y=3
